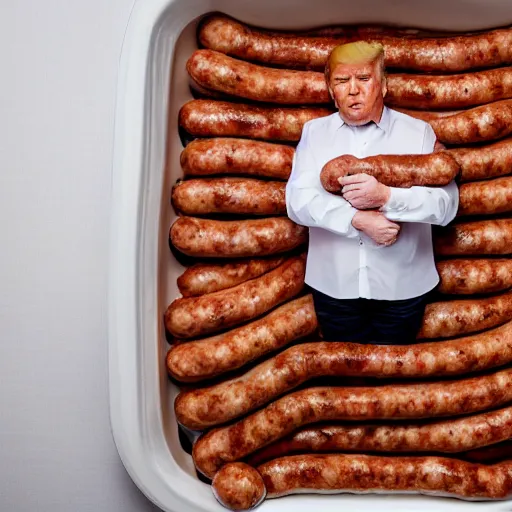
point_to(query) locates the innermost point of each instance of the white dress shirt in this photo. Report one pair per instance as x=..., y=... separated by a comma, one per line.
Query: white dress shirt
x=343, y=262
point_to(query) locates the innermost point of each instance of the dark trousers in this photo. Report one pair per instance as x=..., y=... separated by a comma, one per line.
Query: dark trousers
x=383, y=322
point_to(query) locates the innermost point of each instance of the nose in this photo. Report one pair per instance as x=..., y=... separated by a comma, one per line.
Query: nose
x=353, y=87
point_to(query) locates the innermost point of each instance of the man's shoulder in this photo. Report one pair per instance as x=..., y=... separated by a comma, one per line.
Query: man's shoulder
x=319, y=124
x=405, y=121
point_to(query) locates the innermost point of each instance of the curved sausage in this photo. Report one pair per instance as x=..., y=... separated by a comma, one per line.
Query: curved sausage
x=485, y=197
x=393, y=170
x=197, y=316
x=449, y=91
x=425, y=400
x=236, y=239
x=479, y=124
x=211, y=118
x=457, y=317
x=204, y=157
x=203, y=278
x=470, y=276
x=203, y=359
x=431, y=475
x=450, y=54
x=447, y=436
x=217, y=71
x=229, y=195
x=489, y=161
x=205, y=407
x=479, y=237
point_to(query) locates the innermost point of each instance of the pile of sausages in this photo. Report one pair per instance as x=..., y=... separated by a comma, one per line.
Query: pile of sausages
x=245, y=341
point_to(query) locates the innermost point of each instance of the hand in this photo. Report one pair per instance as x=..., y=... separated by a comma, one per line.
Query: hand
x=375, y=225
x=364, y=192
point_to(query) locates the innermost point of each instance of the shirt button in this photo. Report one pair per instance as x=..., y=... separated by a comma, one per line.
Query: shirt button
x=360, y=242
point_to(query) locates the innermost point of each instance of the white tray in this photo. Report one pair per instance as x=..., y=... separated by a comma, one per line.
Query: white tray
x=159, y=39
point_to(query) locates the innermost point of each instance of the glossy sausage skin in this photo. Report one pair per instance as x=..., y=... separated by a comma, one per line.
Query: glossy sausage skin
x=207, y=358
x=475, y=238
x=430, y=475
x=480, y=163
x=208, y=278
x=211, y=118
x=205, y=407
x=243, y=196
x=457, y=317
x=207, y=238
x=224, y=155
x=197, y=316
x=447, y=54
x=485, y=197
x=217, y=71
x=447, y=436
x=424, y=400
x=469, y=276
x=393, y=170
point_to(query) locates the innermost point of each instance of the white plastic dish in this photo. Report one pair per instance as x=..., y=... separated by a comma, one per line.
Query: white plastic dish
x=153, y=85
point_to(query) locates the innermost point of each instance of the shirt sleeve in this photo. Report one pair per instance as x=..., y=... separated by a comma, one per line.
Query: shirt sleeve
x=308, y=203
x=429, y=205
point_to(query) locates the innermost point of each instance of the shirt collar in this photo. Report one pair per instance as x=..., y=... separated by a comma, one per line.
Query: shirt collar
x=383, y=124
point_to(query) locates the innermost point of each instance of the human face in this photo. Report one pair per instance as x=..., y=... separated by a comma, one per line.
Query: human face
x=358, y=91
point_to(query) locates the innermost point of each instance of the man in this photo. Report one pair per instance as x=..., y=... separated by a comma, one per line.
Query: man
x=370, y=261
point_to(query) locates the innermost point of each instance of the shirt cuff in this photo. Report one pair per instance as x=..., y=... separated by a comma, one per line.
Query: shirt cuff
x=398, y=200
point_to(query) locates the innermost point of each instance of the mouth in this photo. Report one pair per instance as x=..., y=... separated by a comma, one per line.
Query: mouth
x=356, y=106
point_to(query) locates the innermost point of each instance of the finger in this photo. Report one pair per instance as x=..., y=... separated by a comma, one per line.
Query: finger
x=349, y=188
x=354, y=178
x=351, y=196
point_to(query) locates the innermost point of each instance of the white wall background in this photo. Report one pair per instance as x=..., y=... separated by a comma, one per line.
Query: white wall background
x=58, y=74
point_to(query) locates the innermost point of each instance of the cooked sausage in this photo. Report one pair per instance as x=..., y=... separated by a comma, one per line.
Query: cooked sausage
x=431, y=475
x=500, y=451
x=208, y=278
x=197, y=316
x=206, y=407
x=229, y=195
x=449, y=91
x=470, y=276
x=236, y=239
x=424, y=400
x=204, y=157
x=211, y=118
x=478, y=124
x=485, y=197
x=479, y=237
x=457, y=317
x=217, y=71
x=445, y=54
x=447, y=436
x=203, y=359
x=238, y=486
x=489, y=161
x=392, y=170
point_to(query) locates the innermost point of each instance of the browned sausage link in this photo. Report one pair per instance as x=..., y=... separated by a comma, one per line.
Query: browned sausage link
x=392, y=170
x=470, y=276
x=197, y=316
x=489, y=161
x=480, y=237
x=204, y=278
x=487, y=49
x=479, y=124
x=485, y=197
x=229, y=195
x=431, y=475
x=448, y=436
x=500, y=451
x=457, y=317
x=425, y=400
x=203, y=359
x=203, y=157
x=211, y=118
x=449, y=91
x=207, y=238
x=219, y=72
x=205, y=407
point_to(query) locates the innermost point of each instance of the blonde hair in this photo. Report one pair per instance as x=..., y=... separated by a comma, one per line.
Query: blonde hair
x=358, y=52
